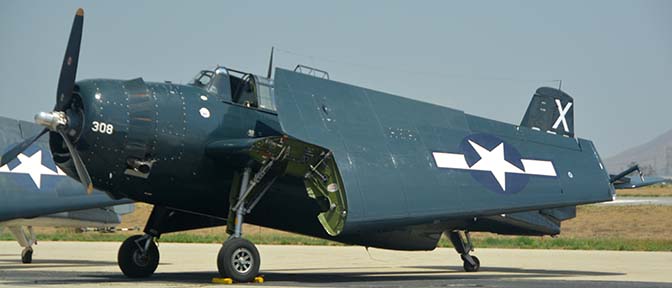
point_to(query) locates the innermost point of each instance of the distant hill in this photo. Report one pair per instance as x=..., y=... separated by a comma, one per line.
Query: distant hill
x=653, y=157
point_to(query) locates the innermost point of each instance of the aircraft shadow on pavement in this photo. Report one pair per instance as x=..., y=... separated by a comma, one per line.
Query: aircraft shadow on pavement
x=539, y=272
x=308, y=276
x=430, y=273
x=15, y=264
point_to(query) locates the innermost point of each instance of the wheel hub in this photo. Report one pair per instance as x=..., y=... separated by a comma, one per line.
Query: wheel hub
x=140, y=259
x=242, y=260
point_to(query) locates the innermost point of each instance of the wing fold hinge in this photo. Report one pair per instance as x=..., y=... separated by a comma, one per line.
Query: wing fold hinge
x=324, y=184
x=285, y=156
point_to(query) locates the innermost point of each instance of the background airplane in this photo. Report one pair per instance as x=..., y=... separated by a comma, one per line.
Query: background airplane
x=103, y=218
x=35, y=192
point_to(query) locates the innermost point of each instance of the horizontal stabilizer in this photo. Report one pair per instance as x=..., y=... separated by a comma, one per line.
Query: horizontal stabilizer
x=637, y=182
x=620, y=181
x=552, y=111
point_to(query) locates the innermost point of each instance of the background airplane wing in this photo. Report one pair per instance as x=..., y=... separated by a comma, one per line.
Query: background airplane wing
x=636, y=182
x=22, y=228
x=32, y=185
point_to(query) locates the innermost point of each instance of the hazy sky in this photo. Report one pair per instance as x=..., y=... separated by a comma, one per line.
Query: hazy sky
x=483, y=57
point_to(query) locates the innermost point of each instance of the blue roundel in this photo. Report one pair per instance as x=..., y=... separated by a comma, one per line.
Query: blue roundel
x=508, y=183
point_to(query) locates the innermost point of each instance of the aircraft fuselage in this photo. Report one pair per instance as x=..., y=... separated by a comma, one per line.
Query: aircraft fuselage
x=149, y=142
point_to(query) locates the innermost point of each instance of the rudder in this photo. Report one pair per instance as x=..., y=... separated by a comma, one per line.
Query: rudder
x=550, y=110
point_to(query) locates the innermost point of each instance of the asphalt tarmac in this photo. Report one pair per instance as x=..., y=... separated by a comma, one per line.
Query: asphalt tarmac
x=71, y=264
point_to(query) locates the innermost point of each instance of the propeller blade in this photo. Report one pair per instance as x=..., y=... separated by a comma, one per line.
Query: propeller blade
x=16, y=150
x=79, y=164
x=66, y=82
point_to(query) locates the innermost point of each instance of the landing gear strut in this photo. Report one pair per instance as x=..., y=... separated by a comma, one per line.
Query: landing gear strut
x=463, y=246
x=238, y=258
x=138, y=256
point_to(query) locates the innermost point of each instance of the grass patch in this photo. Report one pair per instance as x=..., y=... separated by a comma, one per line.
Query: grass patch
x=622, y=228
x=523, y=242
x=480, y=241
x=635, y=194
x=265, y=238
x=657, y=190
x=71, y=236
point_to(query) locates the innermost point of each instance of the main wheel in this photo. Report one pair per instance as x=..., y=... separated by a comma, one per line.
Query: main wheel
x=468, y=267
x=239, y=260
x=133, y=263
x=27, y=255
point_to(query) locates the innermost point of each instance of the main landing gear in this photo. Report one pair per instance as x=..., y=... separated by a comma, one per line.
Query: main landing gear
x=238, y=258
x=138, y=256
x=463, y=246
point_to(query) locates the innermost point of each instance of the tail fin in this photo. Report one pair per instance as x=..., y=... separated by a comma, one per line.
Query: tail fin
x=550, y=110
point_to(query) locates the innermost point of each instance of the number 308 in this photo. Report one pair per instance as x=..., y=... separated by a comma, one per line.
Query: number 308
x=102, y=127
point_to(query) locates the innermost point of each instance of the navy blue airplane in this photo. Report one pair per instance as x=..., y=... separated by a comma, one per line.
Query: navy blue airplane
x=35, y=192
x=301, y=153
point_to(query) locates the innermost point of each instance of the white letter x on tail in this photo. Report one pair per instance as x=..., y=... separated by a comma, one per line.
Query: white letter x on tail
x=561, y=118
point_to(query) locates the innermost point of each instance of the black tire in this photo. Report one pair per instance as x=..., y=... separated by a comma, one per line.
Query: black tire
x=468, y=267
x=239, y=260
x=27, y=256
x=131, y=261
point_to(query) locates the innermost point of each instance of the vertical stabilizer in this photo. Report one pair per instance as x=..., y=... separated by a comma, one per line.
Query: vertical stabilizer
x=550, y=110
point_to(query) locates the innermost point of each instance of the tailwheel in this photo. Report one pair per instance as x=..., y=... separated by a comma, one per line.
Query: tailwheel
x=138, y=256
x=27, y=255
x=464, y=246
x=471, y=266
x=239, y=260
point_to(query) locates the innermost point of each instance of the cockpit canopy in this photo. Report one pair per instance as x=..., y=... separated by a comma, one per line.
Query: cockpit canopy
x=203, y=78
x=237, y=87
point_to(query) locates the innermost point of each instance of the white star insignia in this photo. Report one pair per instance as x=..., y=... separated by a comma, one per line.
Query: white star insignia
x=493, y=161
x=32, y=165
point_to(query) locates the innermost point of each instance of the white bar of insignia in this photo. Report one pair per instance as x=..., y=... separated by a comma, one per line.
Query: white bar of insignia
x=450, y=160
x=538, y=167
